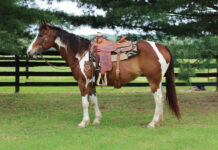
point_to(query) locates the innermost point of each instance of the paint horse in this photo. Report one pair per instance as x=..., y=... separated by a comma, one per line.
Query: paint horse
x=153, y=60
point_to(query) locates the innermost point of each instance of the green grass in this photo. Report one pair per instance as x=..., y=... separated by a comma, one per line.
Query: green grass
x=48, y=121
x=67, y=89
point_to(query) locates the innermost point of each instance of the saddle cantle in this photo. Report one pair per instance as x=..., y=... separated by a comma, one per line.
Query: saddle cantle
x=102, y=49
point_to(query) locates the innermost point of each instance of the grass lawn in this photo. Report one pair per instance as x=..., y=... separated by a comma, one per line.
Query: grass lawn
x=37, y=120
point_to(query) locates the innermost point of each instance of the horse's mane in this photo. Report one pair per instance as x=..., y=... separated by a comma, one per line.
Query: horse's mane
x=75, y=44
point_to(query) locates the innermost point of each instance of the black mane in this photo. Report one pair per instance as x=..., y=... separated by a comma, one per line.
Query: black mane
x=75, y=44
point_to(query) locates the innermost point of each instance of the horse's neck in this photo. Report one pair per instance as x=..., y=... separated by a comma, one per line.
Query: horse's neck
x=62, y=52
x=68, y=57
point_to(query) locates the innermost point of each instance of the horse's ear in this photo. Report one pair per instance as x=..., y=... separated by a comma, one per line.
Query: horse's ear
x=44, y=24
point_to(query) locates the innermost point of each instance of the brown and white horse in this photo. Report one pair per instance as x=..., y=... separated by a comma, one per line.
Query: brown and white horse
x=154, y=61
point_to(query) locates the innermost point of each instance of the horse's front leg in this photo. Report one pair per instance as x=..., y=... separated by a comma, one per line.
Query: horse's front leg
x=85, y=104
x=98, y=116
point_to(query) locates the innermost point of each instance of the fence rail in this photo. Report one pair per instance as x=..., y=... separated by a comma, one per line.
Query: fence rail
x=17, y=62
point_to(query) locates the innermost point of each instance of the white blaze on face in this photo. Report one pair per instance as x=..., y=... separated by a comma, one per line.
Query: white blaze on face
x=30, y=49
x=161, y=59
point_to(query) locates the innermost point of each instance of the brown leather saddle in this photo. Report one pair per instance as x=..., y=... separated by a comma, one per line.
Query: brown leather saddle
x=104, y=48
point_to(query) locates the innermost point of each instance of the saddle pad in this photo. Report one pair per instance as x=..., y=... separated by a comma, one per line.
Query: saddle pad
x=127, y=54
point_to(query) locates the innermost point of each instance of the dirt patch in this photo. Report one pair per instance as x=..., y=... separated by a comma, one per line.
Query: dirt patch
x=142, y=124
x=191, y=90
x=135, y=110
x=140, y=109
x=8, y=137
x=201, y=100
x=102, y=107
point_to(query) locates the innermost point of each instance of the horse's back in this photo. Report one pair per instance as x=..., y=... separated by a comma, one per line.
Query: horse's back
x=147, y=62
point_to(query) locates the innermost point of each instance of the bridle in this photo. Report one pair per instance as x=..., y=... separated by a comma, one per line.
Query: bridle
x=51, y=65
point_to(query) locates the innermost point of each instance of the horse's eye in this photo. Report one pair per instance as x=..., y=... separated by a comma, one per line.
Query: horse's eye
x=40, y=35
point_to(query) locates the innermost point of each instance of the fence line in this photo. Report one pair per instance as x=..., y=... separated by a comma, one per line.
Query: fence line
x=17, y=62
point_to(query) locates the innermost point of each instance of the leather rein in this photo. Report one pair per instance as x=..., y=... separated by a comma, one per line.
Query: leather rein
x=56, y=67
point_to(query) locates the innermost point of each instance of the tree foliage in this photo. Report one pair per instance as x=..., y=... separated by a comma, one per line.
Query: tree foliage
x=193, y=54
x=16, y=18
x=167, y=17
x=164, y=18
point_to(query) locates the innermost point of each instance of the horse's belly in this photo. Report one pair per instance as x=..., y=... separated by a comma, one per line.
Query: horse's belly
x=129, y=70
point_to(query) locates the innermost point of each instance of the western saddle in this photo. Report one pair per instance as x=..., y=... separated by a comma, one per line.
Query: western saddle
x=102, y=50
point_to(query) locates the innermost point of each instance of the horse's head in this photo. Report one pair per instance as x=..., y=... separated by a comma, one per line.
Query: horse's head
x=43, y=40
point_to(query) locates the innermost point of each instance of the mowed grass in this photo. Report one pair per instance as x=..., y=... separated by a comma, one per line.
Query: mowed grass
x=48, y=121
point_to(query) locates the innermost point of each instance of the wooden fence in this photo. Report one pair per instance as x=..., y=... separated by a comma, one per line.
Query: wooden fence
x=17, y=62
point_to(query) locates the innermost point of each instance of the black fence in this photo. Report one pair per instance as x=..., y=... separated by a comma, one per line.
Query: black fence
x=17, y=62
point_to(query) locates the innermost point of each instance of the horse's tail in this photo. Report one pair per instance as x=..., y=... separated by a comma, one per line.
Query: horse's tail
x=171, y=88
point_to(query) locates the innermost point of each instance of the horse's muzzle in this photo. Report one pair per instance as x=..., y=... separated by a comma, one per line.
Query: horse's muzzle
x=33, y=55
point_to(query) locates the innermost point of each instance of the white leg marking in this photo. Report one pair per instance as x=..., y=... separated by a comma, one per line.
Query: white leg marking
x=162, y=61
x=31, y=45
x=98, y=116
x=82, y=66
x=60, y=43
x=159, y=103
x=158, y=95
x=85, y=105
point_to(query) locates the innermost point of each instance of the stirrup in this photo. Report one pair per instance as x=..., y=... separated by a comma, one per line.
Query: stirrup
x=104, y=81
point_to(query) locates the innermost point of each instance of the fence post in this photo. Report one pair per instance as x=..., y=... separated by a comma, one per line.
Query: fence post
x=27, y=67
x=17, y=74
x=217, y=76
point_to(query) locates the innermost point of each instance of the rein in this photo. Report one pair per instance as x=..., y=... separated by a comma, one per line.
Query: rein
x=51, y=65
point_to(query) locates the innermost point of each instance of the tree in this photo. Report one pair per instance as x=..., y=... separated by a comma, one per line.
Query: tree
x=16, y=18
x=168, y=17
x=156, y=18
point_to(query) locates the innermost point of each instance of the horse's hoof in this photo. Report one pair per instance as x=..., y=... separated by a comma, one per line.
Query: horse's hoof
x=83, y=124
x=96, y=122
x=151, y=125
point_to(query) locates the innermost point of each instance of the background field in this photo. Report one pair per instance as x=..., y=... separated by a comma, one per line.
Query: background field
x=48, y=120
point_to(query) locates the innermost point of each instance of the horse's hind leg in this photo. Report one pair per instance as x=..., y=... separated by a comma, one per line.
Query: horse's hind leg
x=157, y=90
